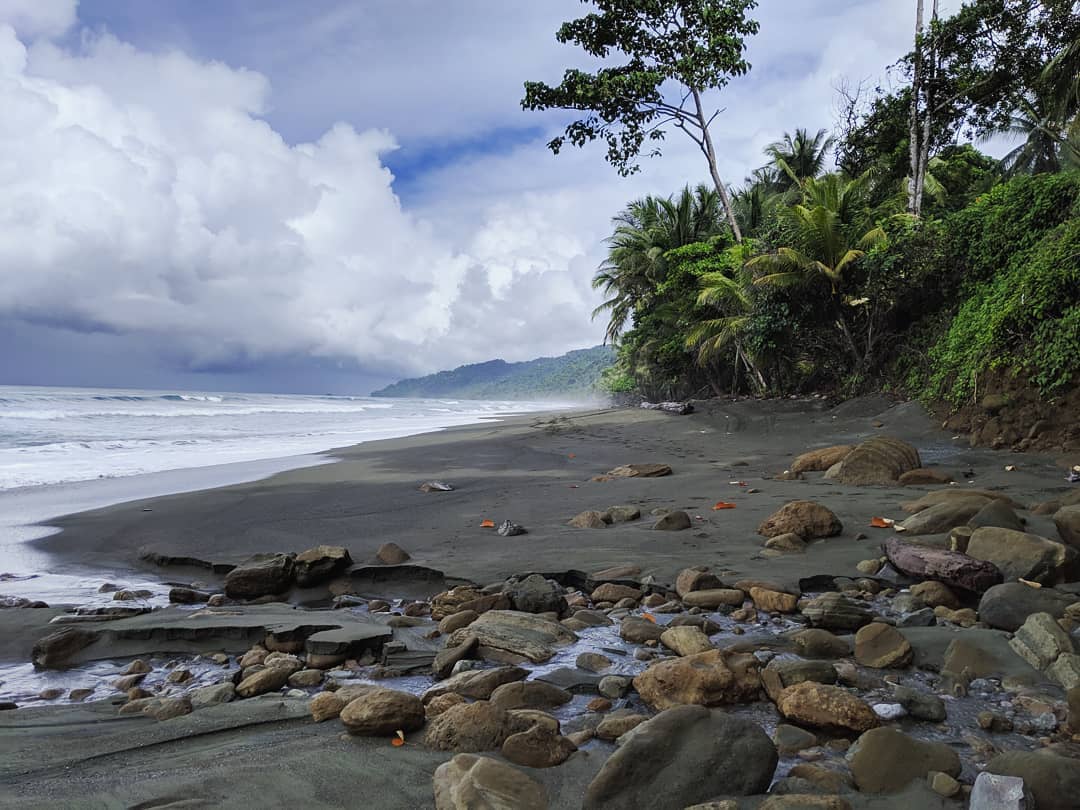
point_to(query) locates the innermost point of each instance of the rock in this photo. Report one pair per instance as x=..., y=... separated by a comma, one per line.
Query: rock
x=626, y=571
x=468, y=727
x=440, y=704
x=1007, y=606
x=614, y=686
x=773, y=601
x=923, y=476
x=1040, y=640
x=613, y=592
x=931, y=498
x=943, y=784
x=524, y=634
x=212, y=695
x=682, y=756
x=382, y=712
x=535, y=594
x=807, y=519
x=510, y=529
x=305, y=678
x=784, y=672
x=618, y=723
x=469, y=782
x=834, y=611
x=637, y=630
x=934, y=593
x=788, y=542
x=878, y=461
x=800, y=801
x=187, y=596
x=822, y=706
x=55, y=650
x=599, y=705
x=942, y=517
x=884, y=760
x=448, y=657
x=1019, y=555
x=435, y=486
x=998, y=514
x=675, y=521
x=261, y=575
x=319, y=564
x=592, y=662
x=392, y=554
x=326, y=706
x=880, y=646
x=529, y=695
x=1065, y=671
x=820, y=460
x=477, y=684
x=685, y=640
x=539, y=747
x=709, y=678
x=696, y=579
x=715, y=597
x=270, y=679
x=817, y=643
x=588, y=520
x=792, y=739
x=994, y=792
x=951, y=567
x=454, y=601
x=1067, y=520
x=640, y=471
x=137, y=667
x=168, y=708
x=1054, y=781
x=920, y=705
x=623, y=514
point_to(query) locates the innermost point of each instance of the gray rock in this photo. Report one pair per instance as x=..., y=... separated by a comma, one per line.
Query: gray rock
x=683, y=756
x=320, y=564
x=920, y=705
x=614, y=686
x=833, y=611
x=525, y=634
x=1008, y=605
x=1019, y=555
x=261, y=575
x=1054, y=781
x=212, y=695
x=994, y=792
x=534, y=594
x=510, y=529
x=1040, y=640
x=884, y=760
x=469, y=782
x=996, y=513
x=675, y=521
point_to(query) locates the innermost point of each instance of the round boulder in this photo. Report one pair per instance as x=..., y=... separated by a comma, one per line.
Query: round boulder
x=383, y=711
x=807, y=519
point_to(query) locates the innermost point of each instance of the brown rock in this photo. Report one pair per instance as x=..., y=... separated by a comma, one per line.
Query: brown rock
x=884, y=760
x=878, y=461
x=710, y=678
x=638, y=631
x=618, y=723
x=640, y=471
x=881, y=646
x=820, y=460
x=590, y=519
x=1067, y=520
x=529, y=695
x=438, y=705
x=446, y=658
x=773, y=601
x=383, y=712
x=924, y=476
x=807, y=519
x=469, y=782
x=539, y=747
x=696, y=579
x=455, y=621
x=325, y=706
x=268, y=680
x=675, y=521
x=788, y=542
x=392, y=554
x=320, y=564
x=612, y=592
x=934, y=593
x=468, y=727
x=685, y=640
x=477, y=684
x=822, y=706
x=714, y=598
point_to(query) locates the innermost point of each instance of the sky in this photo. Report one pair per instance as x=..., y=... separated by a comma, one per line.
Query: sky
x=325, y=196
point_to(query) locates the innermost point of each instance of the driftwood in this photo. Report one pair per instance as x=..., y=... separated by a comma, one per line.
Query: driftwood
x=680, y=408
x=951, y=567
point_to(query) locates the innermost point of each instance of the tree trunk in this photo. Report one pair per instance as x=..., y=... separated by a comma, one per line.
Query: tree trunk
x=914, y=128
x=710, y=156
x=929, y=76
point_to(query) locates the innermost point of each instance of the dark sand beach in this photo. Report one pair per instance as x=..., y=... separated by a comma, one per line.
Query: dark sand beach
x=533, y=470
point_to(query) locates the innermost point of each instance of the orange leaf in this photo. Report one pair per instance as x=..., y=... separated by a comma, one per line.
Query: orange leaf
x=648, y=617
x=722, y=505
x=397, y=742
x=572, y=455
x=880, y=523
x=487, y=524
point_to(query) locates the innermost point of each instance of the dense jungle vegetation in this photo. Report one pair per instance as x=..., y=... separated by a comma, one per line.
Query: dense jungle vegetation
x=890, y=253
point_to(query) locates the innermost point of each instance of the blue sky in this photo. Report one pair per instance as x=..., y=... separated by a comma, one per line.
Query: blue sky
x=328, y=195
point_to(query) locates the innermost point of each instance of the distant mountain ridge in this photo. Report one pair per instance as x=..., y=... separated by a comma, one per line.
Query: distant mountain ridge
x=575, y=373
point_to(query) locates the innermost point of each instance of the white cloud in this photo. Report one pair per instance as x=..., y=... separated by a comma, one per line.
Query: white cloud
x=38, y=18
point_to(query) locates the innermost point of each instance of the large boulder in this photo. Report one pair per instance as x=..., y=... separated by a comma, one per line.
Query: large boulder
x=535, y=594
x=261, y=575
x=468, y=727
x=529, y=695
x=681, y=757
x=1067, y=520
x=881, y=646
x=821, y=459
x=1040, y=640
x=823, y=706
x=1008, y=605
x=881, y=460
x=383, y=712
x=943, y=495
x=524, y=634
x=55, y=650
x=942, y=517
x=538, y=747
x=696, y=579
x=997, y=513
x=267, y=680
x=1019, y=555
x=320, y=564
x=807, y=519
x=951, y=567
x=780, y=673
x=469, y=782
x=710, y=678
x=637, y=630
x=1053, y=780
x=884, y=760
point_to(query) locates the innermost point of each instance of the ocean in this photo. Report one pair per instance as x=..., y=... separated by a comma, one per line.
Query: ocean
x=54, y=436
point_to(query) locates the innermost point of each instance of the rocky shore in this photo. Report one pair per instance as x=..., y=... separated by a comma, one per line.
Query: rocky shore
x=775, y=605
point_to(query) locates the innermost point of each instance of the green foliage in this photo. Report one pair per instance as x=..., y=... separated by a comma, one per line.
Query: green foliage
x=574, y=374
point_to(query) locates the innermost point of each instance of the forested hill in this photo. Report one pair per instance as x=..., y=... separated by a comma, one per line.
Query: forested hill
x=575, y=374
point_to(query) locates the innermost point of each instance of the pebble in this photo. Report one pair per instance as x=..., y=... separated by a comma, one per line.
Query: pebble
x=889, y=711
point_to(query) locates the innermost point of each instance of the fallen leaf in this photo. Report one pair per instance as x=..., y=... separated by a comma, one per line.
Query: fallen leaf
x=881, y=523
x=487, y=524
x=648, y=617
x=399, y=740
x=722, y=505
x=1029, y=583
x=572, y=455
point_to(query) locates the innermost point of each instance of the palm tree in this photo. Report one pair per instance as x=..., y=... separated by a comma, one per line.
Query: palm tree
x=798, y=157
x=1037, y=119
x=820, y=250
x=644, y=232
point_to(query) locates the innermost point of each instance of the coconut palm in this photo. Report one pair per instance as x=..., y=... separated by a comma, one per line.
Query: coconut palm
x=1037, y=120
x=799, y=156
